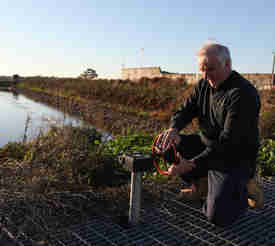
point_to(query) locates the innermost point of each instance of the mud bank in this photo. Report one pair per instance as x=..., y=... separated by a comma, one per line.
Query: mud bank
x=98, y=115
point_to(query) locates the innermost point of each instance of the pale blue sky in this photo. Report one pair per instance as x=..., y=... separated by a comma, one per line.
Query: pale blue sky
x=63, y=38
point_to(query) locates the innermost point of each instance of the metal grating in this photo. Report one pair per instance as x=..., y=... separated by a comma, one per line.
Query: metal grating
x=169, y=223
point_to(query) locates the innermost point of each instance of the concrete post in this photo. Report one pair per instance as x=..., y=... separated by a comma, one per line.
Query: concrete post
x=135, y=198
x=137, y=163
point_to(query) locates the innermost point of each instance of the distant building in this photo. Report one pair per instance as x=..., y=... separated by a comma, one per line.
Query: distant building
x=141, y=72
x=135, y=74
x=258, y=79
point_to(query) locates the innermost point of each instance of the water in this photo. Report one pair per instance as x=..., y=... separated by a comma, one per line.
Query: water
x=16, y=109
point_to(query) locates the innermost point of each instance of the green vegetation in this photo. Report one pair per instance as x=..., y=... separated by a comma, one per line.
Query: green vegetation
x=266, y=158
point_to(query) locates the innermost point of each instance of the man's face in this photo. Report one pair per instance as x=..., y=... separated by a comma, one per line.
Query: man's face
x=213, y=70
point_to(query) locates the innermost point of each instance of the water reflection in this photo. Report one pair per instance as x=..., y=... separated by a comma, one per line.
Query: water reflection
x=15, y=110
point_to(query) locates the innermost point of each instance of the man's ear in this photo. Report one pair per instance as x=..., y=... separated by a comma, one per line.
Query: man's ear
x=227, y=64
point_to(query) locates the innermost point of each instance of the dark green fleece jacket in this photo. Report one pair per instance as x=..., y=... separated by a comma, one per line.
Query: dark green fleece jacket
x=228, y=120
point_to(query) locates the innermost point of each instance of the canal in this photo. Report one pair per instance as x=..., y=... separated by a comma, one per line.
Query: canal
x=16, y=109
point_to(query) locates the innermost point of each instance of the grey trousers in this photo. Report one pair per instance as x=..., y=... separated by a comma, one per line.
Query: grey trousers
x=227, y=188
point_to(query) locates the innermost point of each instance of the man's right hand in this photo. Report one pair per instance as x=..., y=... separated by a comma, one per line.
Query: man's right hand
x=168, y=137
x=184, y=166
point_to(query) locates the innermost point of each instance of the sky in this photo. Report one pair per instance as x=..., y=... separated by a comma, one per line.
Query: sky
x=65, y=37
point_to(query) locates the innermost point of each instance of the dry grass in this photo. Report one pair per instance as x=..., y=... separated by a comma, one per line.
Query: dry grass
x=60, y=179
x=54, y=181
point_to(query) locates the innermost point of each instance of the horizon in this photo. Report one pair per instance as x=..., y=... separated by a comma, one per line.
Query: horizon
x=75, y=77
x=64, y=38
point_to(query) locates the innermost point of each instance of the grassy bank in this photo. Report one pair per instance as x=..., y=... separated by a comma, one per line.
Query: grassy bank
x=150, y=100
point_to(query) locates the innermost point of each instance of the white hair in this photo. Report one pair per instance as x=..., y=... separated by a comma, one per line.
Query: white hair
x=220, y=51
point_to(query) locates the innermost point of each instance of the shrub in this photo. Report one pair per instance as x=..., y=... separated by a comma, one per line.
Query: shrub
x=14, y=150
x=266, y=158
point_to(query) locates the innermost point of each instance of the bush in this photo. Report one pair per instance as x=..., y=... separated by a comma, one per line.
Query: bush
x=266, y=158
x=62, y=157
x=13, y=150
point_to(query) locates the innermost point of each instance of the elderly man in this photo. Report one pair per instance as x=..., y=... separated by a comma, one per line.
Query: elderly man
x=219, y=164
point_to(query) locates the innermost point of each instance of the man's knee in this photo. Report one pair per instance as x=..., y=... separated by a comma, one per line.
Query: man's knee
x=227, y=197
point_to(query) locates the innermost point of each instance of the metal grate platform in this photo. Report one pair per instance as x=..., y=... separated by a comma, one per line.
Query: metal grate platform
x=171, y=223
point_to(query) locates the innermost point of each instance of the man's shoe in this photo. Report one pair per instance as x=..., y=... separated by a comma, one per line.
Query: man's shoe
x=255, y=194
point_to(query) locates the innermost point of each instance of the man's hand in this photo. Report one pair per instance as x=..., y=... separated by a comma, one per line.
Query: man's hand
x=184, y=166
x=168, y=137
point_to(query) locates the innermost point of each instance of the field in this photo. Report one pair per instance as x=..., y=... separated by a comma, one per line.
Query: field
x=106, y=102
